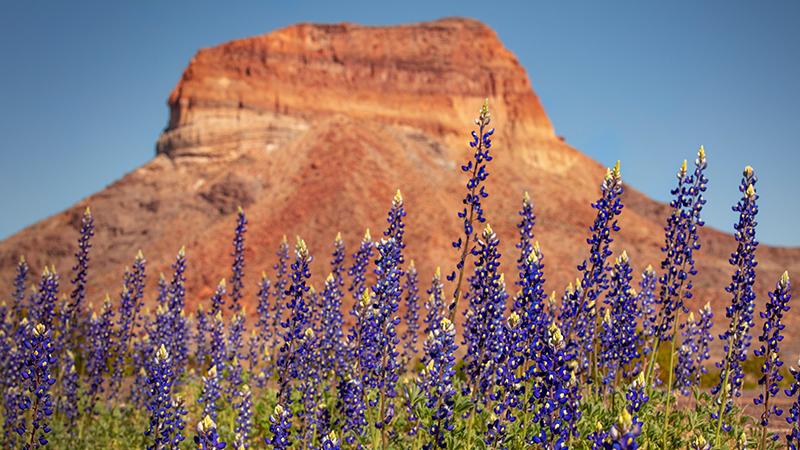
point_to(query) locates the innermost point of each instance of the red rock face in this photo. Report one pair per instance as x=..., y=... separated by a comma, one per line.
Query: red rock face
x=312, y=128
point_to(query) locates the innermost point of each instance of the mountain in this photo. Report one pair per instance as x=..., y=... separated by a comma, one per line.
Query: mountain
x=312, y=128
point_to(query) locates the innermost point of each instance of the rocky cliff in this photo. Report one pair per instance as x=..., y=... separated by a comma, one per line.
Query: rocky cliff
x=312, y=128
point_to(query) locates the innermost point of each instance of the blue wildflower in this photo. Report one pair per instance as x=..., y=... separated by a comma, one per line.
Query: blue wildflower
x=737, y=337
x=410, y=317
x=769, y=349
x=331, y=442
x=37, y=377
x=280, y=426
x=100, y=347
x=207, y=437
x=244, y=417
x=693, y=350
x=211, y=393
x=436, y=381
x=681, y=240
x=166, y=424
x=80, y=272
x=237, y=269
x=472, y=211
x=619, y=333
x=295, y=347
x=129, y=309
x=483, y=329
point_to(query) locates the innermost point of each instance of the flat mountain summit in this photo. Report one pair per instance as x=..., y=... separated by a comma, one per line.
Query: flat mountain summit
x=312, y=128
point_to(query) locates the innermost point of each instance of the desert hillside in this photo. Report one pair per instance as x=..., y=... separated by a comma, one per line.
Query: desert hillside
x=312, y=128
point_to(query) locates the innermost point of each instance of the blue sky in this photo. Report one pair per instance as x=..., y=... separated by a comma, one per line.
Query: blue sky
x=83, y=87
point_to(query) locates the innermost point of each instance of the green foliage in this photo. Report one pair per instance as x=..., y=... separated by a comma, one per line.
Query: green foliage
x=122, y=425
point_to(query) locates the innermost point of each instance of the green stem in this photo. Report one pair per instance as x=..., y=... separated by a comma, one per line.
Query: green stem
x=723, y=391
x=470, y=423
x=668, y=399
x=767, y=382
x=465, y=249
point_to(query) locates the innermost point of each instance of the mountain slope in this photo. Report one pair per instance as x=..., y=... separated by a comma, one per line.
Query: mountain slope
x=312, y=128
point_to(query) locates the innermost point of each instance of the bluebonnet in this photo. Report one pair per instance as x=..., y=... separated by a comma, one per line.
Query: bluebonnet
x=619, y=334
x=472, y=212
x=793, y=418
x=353, y=406
x=507, y=394
x=211, y=393
x=636, y=395
x=646, y=298
x=279, y=295
x=70, y=383
x=142, y=351
x=681, y=240
x=280, y=426
x=411, y=316
x=598, y=437
x=330, y=340
x=20, y=283
x=435, y=305
x=207, y=437
x=254, y=357
x=357, y=288
x=693, y=350
x=529, y=304
x=594, y=276
x=129, y=309
x=177, y=325
x=201, y=344
x=337, y=262
x=624, y=432
x=264, y=333
x=525, y=227
x=234, y=363
x=43, y=301
x=217, y=329
x=80, y=271
x=437, y=382
x=554, y=392
x=166, y=425
x=333, y=348
x=737, y=337
x=294, y=347
x=237, y=269
x=331, y=442
x=771, y=336
x=309, y=380
x=483, y=329
x=379, y=356
x=38, y=370
x=244, y=417
x=396, y=228
x=699, y=443
x=12, y=380
x=100, y=347
x=570, y=313
x=524, y=339
x=357, y=272
x=314, y=301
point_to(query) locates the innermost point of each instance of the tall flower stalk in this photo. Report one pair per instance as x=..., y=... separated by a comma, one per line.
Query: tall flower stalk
x=681, y=240
x=37, y=377
x=584, y=323
x=411, y=316
x=80, y=272
x=472, y=211
x=769, y=350
x=740, y=312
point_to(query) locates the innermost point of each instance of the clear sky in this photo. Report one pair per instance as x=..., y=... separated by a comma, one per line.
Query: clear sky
x=83, y=87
